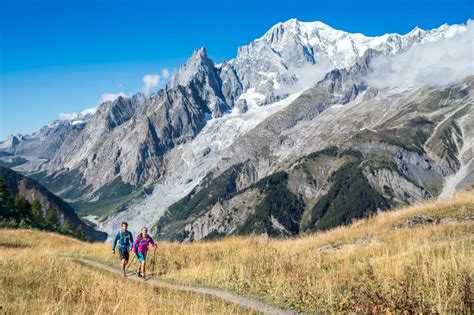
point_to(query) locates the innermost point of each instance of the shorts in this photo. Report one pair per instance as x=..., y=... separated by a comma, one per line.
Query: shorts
x=124, y=253
x=141, y=257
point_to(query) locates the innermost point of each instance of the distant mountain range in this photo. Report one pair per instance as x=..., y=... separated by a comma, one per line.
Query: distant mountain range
x=295, y=134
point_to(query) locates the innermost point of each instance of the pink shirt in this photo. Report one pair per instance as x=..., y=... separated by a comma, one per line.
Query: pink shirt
x=141, y=244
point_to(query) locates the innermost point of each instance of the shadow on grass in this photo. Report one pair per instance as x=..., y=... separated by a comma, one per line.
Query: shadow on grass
x=13, y=245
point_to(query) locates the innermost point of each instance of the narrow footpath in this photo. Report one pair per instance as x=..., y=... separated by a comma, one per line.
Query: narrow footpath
x=250, y=303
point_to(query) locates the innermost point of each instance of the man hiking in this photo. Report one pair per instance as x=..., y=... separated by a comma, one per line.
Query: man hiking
x=125, y=239
x=140, y=247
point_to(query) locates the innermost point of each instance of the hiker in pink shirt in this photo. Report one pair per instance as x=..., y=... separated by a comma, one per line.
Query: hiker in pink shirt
x=140, y=248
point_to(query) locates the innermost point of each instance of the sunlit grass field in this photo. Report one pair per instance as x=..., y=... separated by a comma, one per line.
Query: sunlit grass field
x=36, y=278
x=376, y=264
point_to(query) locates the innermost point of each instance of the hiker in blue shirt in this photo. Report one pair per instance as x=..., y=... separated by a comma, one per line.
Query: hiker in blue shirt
x=125, y=240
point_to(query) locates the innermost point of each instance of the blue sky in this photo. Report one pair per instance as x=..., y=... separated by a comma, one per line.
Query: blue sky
x=62, y=56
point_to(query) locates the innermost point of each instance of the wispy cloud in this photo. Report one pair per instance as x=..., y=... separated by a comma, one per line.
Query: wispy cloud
x=73, y=116
x=91, y=111
x=437, y=63
x=165, y=73
x=150, y=81
x=111, y=97
x=307, y=76
x=67, y=116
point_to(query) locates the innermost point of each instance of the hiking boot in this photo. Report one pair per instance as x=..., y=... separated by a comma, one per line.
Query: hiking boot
x=139, y=274
x=124, y=273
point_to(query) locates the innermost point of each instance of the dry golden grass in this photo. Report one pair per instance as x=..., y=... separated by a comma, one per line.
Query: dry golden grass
x=36, y=279
x=378, y=266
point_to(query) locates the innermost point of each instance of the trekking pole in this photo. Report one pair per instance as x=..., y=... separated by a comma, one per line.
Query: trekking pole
x=131, y=261
x=152, y=267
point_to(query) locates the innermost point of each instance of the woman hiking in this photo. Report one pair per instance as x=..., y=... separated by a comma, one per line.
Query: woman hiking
x=140, y=248
x=125, y=240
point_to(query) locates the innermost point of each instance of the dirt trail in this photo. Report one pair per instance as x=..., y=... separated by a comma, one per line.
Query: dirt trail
x=250, y=303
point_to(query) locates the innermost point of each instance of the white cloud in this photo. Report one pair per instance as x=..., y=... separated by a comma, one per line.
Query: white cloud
x=111, y=97
x=150, y=81
x=437, y=63
x=165, y=73
x=307, y=76
x=106, y=97
x=68, y=116
x=75, y=115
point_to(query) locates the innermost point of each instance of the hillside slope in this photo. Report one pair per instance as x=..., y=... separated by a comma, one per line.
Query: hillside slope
x=417, y=259
x=344, y=269
x=22, y=196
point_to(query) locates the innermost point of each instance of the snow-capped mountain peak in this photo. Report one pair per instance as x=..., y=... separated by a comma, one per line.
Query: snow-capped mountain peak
x=198, y=61
x=293, y=27
x=342, y=48
x=276, y=60
x=417, y=31
x=10, y=142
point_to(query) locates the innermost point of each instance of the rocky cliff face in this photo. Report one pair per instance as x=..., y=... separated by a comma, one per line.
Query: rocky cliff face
x=387, y=153
x=125, y=141
x=396, y=187
x=224, y=218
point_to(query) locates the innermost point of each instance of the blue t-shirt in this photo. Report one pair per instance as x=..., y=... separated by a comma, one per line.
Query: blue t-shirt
x=125, y=239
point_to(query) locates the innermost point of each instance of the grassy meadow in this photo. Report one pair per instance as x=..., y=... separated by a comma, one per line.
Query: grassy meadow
x=376, y=264
x=35, y=278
